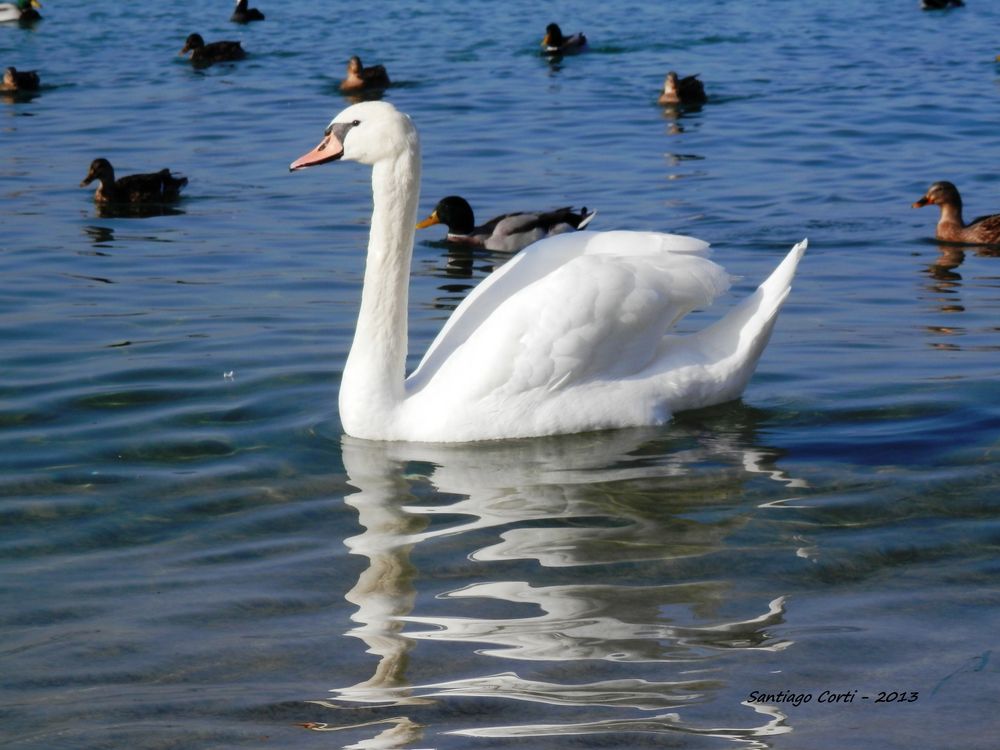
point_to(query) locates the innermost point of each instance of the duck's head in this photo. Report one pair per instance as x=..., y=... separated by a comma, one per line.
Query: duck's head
x=940, y=193
x=25, y=4
x=10, y=76
x=454, y=212
x=354, y=66
x=553, y=36
x=192, y=43
x=367, y=132
x=670, y=83
x=100, y=169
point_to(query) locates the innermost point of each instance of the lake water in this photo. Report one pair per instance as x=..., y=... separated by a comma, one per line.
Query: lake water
x=193, y=556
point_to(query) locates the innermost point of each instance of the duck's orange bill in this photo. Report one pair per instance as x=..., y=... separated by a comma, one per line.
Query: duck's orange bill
x=329, y=149
x=921, y=203
x=429, y=221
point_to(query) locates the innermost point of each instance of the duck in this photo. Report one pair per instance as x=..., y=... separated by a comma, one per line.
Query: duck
x=19, y=80
x=507, y=233
x=940, y=4
x=984, y=230
x=213, y=52
x=154, y=187
x=571, y=335
x=686, y=90
x=243, y=14
x=24, y=11
x=554, y=43
x=359, y=77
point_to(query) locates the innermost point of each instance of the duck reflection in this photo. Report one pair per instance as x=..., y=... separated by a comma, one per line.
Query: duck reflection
x=944, y=281
x=601, y=502
x=455, y=265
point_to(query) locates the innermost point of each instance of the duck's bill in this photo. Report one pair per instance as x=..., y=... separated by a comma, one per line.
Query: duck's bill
x=329, y=149
x=35, y=4
x=429, y=221
x=921, y=203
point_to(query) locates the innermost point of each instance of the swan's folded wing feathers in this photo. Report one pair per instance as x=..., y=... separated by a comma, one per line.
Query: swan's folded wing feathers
x=533, y=264
x=597, y=316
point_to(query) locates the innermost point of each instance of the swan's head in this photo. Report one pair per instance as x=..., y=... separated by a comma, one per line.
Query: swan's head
x=368, y=132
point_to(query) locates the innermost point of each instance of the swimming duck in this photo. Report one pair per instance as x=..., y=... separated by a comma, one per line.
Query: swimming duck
x=572, y=335
x=940, y=4
x=206, y=54
x=554, y=43
x=137, y=188
x=507, y=233
x=687, y=90
x=17, y=80
x=243, y=14
x=22, y=10
x=984, y=230
x=359, y=77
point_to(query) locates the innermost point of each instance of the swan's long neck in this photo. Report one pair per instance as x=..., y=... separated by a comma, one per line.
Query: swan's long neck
x=372, y=384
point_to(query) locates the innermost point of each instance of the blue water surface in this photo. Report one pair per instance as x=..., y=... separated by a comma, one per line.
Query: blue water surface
x=192, y=555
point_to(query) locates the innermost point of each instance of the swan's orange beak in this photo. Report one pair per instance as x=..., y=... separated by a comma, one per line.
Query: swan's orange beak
x=329, y=149
x=429, y=221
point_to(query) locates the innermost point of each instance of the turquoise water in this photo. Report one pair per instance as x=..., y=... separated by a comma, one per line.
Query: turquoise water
x=191, y=553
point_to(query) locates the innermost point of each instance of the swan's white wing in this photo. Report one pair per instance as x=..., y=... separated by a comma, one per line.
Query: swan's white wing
x=579, y=306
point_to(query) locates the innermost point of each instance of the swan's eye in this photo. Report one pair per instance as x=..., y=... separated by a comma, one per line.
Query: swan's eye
x=356, y=123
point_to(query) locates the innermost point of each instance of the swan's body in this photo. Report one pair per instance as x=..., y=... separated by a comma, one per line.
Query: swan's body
x=22, y=10
x=569, y=336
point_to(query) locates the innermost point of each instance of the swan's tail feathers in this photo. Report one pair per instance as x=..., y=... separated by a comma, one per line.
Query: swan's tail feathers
x=725, y=354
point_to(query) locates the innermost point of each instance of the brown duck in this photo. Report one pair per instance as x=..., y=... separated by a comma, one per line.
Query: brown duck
x=687, y=90
x=213, y=52
x=243, y=14
x=17, y=80
x=984, y=230
x=359, y=77
x=154, y=187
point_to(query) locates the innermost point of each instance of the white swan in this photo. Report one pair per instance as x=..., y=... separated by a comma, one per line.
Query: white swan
x=570, y=336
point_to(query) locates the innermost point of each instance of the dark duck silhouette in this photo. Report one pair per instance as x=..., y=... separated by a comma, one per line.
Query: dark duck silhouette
x=507, y=233
x=213, y=52
x=22, y=11
x=687, y=90
x=984, y=230
x=555, y=43
x=154, y=187
x=360, y=78
x=19, y=80
x=243, y=14
x=940, y=4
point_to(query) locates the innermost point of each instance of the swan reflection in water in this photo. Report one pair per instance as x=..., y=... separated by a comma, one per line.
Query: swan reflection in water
x=593, y=506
